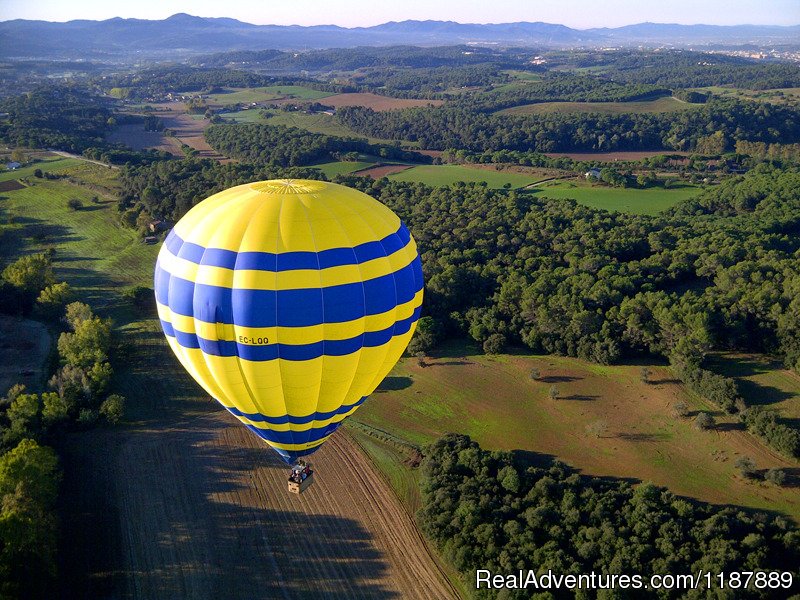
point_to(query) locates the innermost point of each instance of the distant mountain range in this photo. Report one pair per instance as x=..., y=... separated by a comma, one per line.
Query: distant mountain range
x=184, y=34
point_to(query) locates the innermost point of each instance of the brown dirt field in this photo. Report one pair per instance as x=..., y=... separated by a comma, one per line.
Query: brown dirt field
x=188, y=130
x=375, y=102
x=382, y=171
x=24, y=346
x=10, y=185
x=200, y=509
x=610, y=156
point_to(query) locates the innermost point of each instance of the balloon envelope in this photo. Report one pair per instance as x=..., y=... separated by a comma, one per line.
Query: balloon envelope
x=289, y=301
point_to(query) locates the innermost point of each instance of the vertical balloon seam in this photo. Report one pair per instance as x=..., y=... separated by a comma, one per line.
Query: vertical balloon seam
x=290, y=453
x=205, y=247
x=309, y=432
x=364, y=300
x=387, y=345
x=237, y=358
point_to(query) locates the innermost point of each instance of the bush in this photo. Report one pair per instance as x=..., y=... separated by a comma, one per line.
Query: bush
x=746, y=466
x=553, y=392
x=535, y=374
x=776, y=476
x=113, y=408
x=87, y=417
x=494, y=344
x=74, y=204
x=681, y=409
x=704, y=421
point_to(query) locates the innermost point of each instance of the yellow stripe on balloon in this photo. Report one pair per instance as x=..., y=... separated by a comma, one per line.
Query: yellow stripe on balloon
x=286, y=280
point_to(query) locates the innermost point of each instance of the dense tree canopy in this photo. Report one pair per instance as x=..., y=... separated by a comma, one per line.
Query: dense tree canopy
x=484, y=511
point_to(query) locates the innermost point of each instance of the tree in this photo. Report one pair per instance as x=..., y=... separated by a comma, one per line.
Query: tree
x=53, y=299
x=746, y=466
x=644, y=375
x=113, y=408
x=776, y=476
x=704, y=421
x=76, y=313
x=426, y=336
x=681, y=409
x=553, y=392
x=19, y=156
x=55, y=409
x=494, y=344
x=31, y=273
x=535, y=374
x=74, y=204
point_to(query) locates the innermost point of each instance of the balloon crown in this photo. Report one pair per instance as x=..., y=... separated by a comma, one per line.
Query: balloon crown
x=288, y=186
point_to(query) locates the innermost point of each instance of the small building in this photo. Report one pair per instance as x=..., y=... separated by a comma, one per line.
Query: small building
x=13, y=166
x=592, y=174
x=159, y=225
x=150, y=240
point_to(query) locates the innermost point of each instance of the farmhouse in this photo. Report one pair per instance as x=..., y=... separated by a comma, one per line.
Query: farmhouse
x=159, y=226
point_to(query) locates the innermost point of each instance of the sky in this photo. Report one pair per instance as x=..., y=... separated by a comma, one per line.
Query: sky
x=581, y=14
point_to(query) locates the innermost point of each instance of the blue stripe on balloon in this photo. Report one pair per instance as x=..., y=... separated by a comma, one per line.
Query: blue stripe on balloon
x=288, y=261
x=288, y=308
x=294, y=437
x=227, y=348
x=290, y=419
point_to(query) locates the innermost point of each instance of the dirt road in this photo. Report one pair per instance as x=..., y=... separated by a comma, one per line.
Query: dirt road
x=199, y=509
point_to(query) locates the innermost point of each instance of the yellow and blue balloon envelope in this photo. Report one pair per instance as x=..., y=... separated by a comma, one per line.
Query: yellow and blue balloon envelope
x=289, y=301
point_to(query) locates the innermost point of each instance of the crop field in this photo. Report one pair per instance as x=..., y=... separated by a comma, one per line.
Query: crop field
x=136, y=137
x=441, y=175
x=23, y=342
x=649, y=201
x=266, y=94
x=605, y=422
x=177, y=502
x=659, y=105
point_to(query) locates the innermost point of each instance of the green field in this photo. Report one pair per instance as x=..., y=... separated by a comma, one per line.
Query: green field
x=648, y=201
x=266, y=94
x=493, y=400
x=441, y=175
x=659, y=105
x=332, y=169
x=100, y=259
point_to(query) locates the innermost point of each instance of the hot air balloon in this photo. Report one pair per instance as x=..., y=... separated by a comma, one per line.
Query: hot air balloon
x=289, y=301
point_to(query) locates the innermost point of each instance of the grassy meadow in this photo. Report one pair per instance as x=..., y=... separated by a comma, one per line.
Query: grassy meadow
x=266, y=94
x=649, y=201
x=605, y=422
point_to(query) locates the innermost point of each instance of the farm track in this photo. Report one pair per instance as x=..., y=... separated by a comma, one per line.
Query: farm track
x=199, y=509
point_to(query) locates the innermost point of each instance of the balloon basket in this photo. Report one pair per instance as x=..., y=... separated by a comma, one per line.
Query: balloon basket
x=300, y=478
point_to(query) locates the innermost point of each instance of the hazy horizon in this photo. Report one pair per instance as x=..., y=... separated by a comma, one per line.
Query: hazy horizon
x=578, y=14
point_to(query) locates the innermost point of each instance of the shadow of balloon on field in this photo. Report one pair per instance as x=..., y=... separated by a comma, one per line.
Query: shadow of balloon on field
x=392, y=383
x=195, y=510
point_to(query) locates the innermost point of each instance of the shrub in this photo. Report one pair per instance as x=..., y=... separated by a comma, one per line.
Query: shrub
x=704, y=421
x=746, y=466
x=776, y=476
x=87, y=417
x=553, y=392
x=113, y=408
x=494, y=344
x=74, y=204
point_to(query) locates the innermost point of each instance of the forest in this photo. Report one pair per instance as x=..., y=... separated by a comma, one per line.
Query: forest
x=486, y=510
x=459, y=127
x=283, y=146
